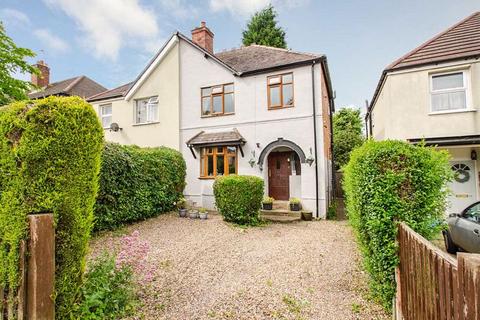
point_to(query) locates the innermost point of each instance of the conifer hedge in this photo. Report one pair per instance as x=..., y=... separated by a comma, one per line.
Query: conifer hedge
x=137, y=183
x=385, y=183
x=49, y=162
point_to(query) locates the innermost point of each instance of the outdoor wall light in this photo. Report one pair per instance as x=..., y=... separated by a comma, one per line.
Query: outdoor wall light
x=252, y=160
x=310, y=159
x=115, y=127
x=473, y=155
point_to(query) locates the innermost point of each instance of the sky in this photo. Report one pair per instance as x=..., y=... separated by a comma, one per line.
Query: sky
x=111, y=41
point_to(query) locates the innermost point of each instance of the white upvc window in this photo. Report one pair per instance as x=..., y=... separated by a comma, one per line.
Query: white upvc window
x=449, y=92
x=146, y=110
x=106, y=115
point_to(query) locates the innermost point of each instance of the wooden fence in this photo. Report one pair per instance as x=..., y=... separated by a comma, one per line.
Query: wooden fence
x=33, y=299
x=432, y=284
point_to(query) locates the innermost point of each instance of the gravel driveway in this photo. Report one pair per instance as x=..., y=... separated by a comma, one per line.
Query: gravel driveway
x=213, y=270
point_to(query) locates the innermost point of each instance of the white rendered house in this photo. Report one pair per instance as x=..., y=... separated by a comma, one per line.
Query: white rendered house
x=254, y=110
x=432, y=95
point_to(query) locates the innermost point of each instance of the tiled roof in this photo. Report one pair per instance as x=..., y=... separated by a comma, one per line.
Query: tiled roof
x=458, y=42
x=256, y=57
x=216, y=138
x=112, y=93
x=79, y=86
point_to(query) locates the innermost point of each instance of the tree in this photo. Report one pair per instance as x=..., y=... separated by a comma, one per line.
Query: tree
x=347, y=134
x=12, y=60
x=262, y=29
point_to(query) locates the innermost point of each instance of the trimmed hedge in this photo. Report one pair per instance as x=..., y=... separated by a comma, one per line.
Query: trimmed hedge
x=238, y=198
x=385, y=183
x=137, y=183
x=49, y=162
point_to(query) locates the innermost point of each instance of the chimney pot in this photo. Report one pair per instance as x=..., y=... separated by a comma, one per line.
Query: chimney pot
x=203, y=37
x=43, y=79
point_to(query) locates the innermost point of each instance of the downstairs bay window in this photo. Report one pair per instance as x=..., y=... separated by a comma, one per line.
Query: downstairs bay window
x=218, y=161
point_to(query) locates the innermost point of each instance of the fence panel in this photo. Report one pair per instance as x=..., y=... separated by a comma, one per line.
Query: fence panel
x=431, y=284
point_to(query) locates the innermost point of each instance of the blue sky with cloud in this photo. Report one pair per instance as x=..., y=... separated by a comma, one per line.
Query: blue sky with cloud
x=112, y=40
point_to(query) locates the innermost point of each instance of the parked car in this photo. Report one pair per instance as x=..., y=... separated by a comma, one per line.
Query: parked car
x=464, y=230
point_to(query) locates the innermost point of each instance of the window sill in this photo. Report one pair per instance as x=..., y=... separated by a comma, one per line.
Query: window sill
x=206, y=178
x=145, y=123
x=281, y=107
x=451, y=111
x=219, y=115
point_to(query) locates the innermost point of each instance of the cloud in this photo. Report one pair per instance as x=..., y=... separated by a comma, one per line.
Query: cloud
x=247, y=7
x=12, y=16
x=51, y=41
x=179, y=8
x=109, y=25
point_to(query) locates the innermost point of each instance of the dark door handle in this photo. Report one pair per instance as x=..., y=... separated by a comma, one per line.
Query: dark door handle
x=476, y=232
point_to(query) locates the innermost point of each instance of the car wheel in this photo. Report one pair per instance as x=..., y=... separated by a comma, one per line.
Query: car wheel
x=449, y=245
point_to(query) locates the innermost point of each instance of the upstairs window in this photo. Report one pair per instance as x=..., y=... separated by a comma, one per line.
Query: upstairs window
x=218, y=100
x=146, y=110
x=448, y=91
x=218, y=161
x=280, y=91
x=106, y=115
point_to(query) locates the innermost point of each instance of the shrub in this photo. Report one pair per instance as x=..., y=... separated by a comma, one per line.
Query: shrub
x=387, y=182
x=238, y=198
x=49, y=162
x=108, y=291
x=137, y=183
x=268, y=200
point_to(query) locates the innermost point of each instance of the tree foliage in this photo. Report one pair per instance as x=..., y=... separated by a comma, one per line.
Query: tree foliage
x=388, y=182
x=347, y=134
x=12, y=60
x=263, y=29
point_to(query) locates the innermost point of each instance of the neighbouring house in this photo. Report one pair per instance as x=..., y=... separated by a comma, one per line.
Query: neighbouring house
x=431, y=95
x=254, y=110
x=81, y=86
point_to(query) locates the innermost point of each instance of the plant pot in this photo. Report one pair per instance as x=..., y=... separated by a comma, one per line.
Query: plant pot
x=182, y=213
x=193, y=214
x=307, y=215
x=203, y=215
x=267, y=206
x=295, y=206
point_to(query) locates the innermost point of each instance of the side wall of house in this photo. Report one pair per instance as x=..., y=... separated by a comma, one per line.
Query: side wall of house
x=258, y=125
x=164, y=83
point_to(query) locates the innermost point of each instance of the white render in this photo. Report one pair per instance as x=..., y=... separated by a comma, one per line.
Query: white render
x=256, y=124
x=403, y=111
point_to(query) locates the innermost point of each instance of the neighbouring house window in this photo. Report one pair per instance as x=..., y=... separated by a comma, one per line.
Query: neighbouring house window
x=218, y=161
x=280, y=91
x=448, y=91
x=146, y=110
x=106, y=115
x=218, y=100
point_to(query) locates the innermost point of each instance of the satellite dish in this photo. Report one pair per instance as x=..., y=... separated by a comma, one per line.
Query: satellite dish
x=115, y=127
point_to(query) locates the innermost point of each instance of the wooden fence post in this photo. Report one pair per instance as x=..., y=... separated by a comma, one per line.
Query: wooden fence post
x=469, y=285
x=41, y=268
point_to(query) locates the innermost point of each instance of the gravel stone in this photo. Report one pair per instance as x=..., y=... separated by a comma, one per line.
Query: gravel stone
x=214, y=270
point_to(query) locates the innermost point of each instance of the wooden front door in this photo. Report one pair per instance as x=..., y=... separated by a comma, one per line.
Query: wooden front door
x=278, y=175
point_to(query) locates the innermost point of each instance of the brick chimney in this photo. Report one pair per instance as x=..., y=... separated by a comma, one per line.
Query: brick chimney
x=43, y=79
x=203, y=37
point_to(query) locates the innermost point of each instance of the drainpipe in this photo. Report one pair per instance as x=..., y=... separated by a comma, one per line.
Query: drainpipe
x=315, y=137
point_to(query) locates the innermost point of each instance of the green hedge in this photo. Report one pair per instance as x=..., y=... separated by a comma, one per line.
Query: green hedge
x=238, y=198
x=137, y=183
x=387, y=182
x=49, y=162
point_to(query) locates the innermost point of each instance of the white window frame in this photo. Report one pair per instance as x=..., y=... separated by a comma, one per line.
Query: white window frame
x=466, y=88
x=104, y=115
x=151, y=100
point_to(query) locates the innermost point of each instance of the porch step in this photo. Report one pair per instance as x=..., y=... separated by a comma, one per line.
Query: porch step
x=280, y=215
x=279, y=204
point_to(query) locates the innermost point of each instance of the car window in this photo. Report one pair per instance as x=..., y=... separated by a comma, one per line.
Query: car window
x=473, y=213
